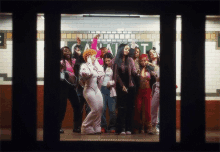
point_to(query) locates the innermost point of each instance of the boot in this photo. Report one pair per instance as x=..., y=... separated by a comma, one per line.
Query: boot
x=149, y=128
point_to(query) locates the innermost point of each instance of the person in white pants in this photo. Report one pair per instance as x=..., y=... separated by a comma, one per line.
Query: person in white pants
x=92, y=74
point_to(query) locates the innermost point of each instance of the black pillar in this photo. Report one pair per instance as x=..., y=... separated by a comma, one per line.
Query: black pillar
x=52, y=77
x=193, y=79
x=24, y=78
x=168, y=78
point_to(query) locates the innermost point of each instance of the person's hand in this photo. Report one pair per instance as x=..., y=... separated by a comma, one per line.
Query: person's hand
x=84, y=74
x=78, y=40
x=150, y=64
x=97, y=36
x=108, y=85
x=97, y=64
x=133, y=44
x=124, y=89
x=79, y=53
x=153, y=73
x=62, y=66
x=82, y=83
x=89, y=60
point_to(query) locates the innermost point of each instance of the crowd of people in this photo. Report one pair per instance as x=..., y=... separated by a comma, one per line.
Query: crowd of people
x=127, y=83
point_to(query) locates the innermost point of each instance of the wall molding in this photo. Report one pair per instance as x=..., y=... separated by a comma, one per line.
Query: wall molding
x=211, y=36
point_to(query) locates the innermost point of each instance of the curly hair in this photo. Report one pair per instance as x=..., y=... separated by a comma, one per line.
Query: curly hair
x=87, y=53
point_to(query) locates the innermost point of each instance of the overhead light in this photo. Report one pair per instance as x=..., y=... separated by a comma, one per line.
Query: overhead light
x=110, y=15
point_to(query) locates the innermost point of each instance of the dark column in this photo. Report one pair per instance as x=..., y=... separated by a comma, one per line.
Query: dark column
x=193, y=79
x=168, y=78
x=24, y=79
x=52, y=77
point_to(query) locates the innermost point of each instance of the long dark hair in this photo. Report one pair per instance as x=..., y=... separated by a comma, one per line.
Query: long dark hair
x=75, y=55
x=107, y=55
x=119, y=55
x=158, y=58
x=131, y=53
x=79, y=60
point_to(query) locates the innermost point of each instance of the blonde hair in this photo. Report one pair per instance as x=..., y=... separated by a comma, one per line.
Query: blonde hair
x=87, y=53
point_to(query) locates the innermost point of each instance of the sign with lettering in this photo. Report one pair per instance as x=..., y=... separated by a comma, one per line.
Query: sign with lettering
x=1, y=39
x=218, y=41
x=113, y=47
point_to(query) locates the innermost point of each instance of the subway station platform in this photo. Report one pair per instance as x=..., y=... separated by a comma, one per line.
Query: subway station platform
x=211, y=136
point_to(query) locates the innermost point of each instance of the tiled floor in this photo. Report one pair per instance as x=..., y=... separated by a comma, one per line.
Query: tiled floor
x=70, y=136
x=211, y=136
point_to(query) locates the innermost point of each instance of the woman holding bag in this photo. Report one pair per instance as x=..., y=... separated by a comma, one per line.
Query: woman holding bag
x=68, y=91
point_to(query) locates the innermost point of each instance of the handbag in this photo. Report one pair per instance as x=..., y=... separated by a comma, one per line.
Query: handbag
x=68, y=77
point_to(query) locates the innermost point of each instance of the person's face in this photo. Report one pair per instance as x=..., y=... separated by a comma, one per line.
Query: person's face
x=78, y=51
x=104, y=51
x=137, y=53
x=107, y=61
x=66, y=53
x=153, y=54
x=126, y=50
x=143, y=62
x=93, y=58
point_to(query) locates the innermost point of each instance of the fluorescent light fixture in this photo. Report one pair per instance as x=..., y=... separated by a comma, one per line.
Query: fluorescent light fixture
x=111, y=15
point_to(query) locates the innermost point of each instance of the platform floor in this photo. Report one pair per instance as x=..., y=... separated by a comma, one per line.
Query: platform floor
x=211, y=136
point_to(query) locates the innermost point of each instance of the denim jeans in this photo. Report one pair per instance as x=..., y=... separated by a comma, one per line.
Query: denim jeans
x=111, y=103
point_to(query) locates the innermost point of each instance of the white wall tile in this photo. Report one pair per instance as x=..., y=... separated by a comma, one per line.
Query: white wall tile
x=212, y=67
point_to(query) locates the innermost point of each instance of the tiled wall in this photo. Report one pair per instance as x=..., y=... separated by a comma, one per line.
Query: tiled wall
x=117, y=30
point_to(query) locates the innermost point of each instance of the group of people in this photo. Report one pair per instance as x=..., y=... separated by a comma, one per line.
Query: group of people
x=128, y=84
